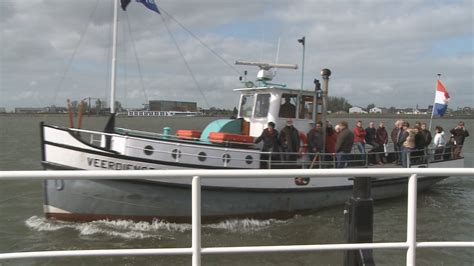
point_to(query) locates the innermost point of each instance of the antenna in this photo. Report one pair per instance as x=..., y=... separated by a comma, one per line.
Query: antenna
x=277, y=55
x=266, y=66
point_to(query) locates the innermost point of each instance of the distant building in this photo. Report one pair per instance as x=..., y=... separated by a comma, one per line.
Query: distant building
x=172, y=106
x=29, y=110
x=357, y=110
x=3, y=110
x=375, y=110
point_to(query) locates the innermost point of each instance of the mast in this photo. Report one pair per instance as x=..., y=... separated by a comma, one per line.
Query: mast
x=114, y=59
x=109, y=127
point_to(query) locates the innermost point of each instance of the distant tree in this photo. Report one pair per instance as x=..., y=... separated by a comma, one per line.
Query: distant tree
x=118, y=106
x=74, y=105
x=336, y=104
x=235, y=112
x=98, y=106
x=392, y=110
x=370, y=106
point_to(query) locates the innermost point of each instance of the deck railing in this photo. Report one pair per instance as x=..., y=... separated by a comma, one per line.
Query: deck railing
x=196, y=175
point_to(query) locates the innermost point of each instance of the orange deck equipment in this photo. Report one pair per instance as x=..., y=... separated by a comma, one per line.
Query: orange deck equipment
x=222, y=137
x=188, y=134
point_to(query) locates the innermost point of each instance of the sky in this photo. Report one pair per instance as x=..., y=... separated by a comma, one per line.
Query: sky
x=384, y=52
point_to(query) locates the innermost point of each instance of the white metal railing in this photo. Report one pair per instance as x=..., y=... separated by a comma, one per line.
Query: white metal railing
x=196, y=249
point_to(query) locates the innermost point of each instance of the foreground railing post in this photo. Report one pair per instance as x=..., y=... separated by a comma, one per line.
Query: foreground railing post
x=196, y=219
x=359, y=220
x=411, y=220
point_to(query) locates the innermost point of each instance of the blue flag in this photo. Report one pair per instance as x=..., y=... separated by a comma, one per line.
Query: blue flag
x=150, y=4
x=124, y=4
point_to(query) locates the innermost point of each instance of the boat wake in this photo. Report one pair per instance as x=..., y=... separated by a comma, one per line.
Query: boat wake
x=141, y=230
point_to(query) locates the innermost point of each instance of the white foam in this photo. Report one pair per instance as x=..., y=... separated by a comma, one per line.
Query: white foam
x=120, y=228
x=140, y=230
x=244, y=225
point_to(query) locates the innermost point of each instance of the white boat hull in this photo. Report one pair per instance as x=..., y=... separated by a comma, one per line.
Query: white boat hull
x=170, y=200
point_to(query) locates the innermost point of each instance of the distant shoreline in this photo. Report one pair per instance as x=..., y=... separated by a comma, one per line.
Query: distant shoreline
x=394, y=116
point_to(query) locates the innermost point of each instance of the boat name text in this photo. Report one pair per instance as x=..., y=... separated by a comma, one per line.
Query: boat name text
x=100, y=163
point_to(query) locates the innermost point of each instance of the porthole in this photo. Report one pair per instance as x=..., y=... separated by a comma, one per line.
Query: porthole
x=148, y=150
x=226, y=158
x=202, y=156
x=302, y=181
x=176, y=153
x=248, y=159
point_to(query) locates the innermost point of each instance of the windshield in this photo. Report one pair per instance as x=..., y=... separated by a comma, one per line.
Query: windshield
x=262, y=105
x=246, y=104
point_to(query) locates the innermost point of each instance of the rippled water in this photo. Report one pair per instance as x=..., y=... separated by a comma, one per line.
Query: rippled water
x=445, y=213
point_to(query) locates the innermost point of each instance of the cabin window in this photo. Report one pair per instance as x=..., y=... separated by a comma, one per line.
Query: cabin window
x=262, y=105
x=226, y=158
x=202, y=156
x=246, y=105
x=148, y=150
x=176, y=153
x=288, y=105
x=306, y=107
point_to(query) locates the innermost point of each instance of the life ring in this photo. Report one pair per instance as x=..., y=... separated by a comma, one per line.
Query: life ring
x=303, y=142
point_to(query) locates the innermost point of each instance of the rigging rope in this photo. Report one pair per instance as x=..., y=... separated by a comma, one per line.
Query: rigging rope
x=136, y=58
x=185, y=62
x=71, y=59
x=200, y=41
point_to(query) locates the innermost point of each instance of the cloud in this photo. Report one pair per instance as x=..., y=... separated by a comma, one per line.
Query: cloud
x=382, y=52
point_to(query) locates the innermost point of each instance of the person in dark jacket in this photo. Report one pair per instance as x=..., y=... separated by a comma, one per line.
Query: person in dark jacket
x=271, y=143
x=418, y=154
x=290, y=141
x=315, y=139
x=395, y=135
x=381, y=137
x=459, y=133
x=331, y=139
x=370, y=138
x=345, y=140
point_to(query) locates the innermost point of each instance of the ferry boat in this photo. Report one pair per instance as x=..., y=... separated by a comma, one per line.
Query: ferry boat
x=223, y=144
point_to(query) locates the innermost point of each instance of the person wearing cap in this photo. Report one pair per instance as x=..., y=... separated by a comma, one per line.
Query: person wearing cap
x=290, y=141
x=271, y=143
x=459, y=133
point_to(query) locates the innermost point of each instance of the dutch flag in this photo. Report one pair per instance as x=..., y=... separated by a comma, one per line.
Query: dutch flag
x=441, y=100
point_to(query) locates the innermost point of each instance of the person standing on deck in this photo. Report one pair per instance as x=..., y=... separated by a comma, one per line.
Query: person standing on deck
x=331, y=139
x=381, y=137
x=370, y=139
x=271, y=144
x=395, y=136
x=439, y=142
x=315, y=139
x=345, y=140
x=459, y=133
x=407, y=142
x=290, y=141
x=359, y=139
x=427, y=138
x=419, y=152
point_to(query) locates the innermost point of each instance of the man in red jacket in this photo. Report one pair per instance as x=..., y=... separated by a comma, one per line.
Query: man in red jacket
x=359, y=137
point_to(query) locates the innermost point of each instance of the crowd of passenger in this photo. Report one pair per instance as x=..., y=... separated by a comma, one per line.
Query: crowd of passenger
x=410, y=143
